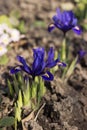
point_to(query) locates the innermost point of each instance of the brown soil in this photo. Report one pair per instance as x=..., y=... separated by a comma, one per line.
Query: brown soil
x=66, y=103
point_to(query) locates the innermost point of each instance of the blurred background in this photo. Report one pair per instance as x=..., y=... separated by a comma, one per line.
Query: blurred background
x=24, y=25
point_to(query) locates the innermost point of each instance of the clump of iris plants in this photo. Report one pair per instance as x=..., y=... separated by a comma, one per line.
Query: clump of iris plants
x=27, y=86
x=28, y=82
x=66, y=21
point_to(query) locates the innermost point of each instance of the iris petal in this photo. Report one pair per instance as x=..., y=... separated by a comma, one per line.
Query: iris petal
x=21, y=59
x=59, y=14
x=61, y=64
x=47, y=76
x=51, y=27
x=74, y=22
x=50, y=56
x=77, y=30
x=15, y=70
x=82, y=53
x=50, y=63
x=39, y=52
x=25, y=67
x=50, y=60
x=38, y=64
x=55, y=18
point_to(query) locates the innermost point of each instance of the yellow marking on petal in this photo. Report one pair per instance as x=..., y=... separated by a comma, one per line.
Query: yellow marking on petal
x=59, y=63
x=46, y=75
x=51, y=25
x=1, y=48
x=77, y=28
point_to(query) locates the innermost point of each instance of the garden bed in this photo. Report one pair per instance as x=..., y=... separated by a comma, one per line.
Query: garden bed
x=64, y=106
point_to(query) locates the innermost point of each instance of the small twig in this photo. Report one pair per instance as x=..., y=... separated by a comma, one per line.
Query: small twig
x=39, y=111
x=29, y=117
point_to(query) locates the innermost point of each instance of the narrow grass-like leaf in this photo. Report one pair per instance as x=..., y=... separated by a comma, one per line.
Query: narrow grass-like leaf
x=17, y=113
x=27, y=95
x=20, y=101
x=16, y=87
x=41, y=90
x=10, y=88
x=71, y=68
x=34, y=90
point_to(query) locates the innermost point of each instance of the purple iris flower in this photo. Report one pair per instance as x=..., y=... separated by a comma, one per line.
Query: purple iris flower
x=81, y=54
x=64, y=21
x=40, y=66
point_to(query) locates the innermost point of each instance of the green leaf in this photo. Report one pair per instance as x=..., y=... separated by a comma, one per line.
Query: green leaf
x=71, y=68
x=17, y=112
x=5, y=19
x=4, y=60
x=39, y=23
x=83, y=1
x=10, y=88
x=16, y=87
x=27, y=95
x=18, y=106
x=14, y=21
x=22, y=27
x=34, y=90
x=15, y=13
x=85, y=26
x=41, y=90
x=7, y=121
x=20, y=81
x=20, y=101
x=42, y=87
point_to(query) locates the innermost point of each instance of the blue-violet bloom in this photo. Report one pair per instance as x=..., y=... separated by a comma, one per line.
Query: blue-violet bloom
x=81, y=54
x=40, y=66
x=65, y=21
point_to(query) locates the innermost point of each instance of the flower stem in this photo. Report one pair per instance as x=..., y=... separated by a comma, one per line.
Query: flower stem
x=63, y=50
